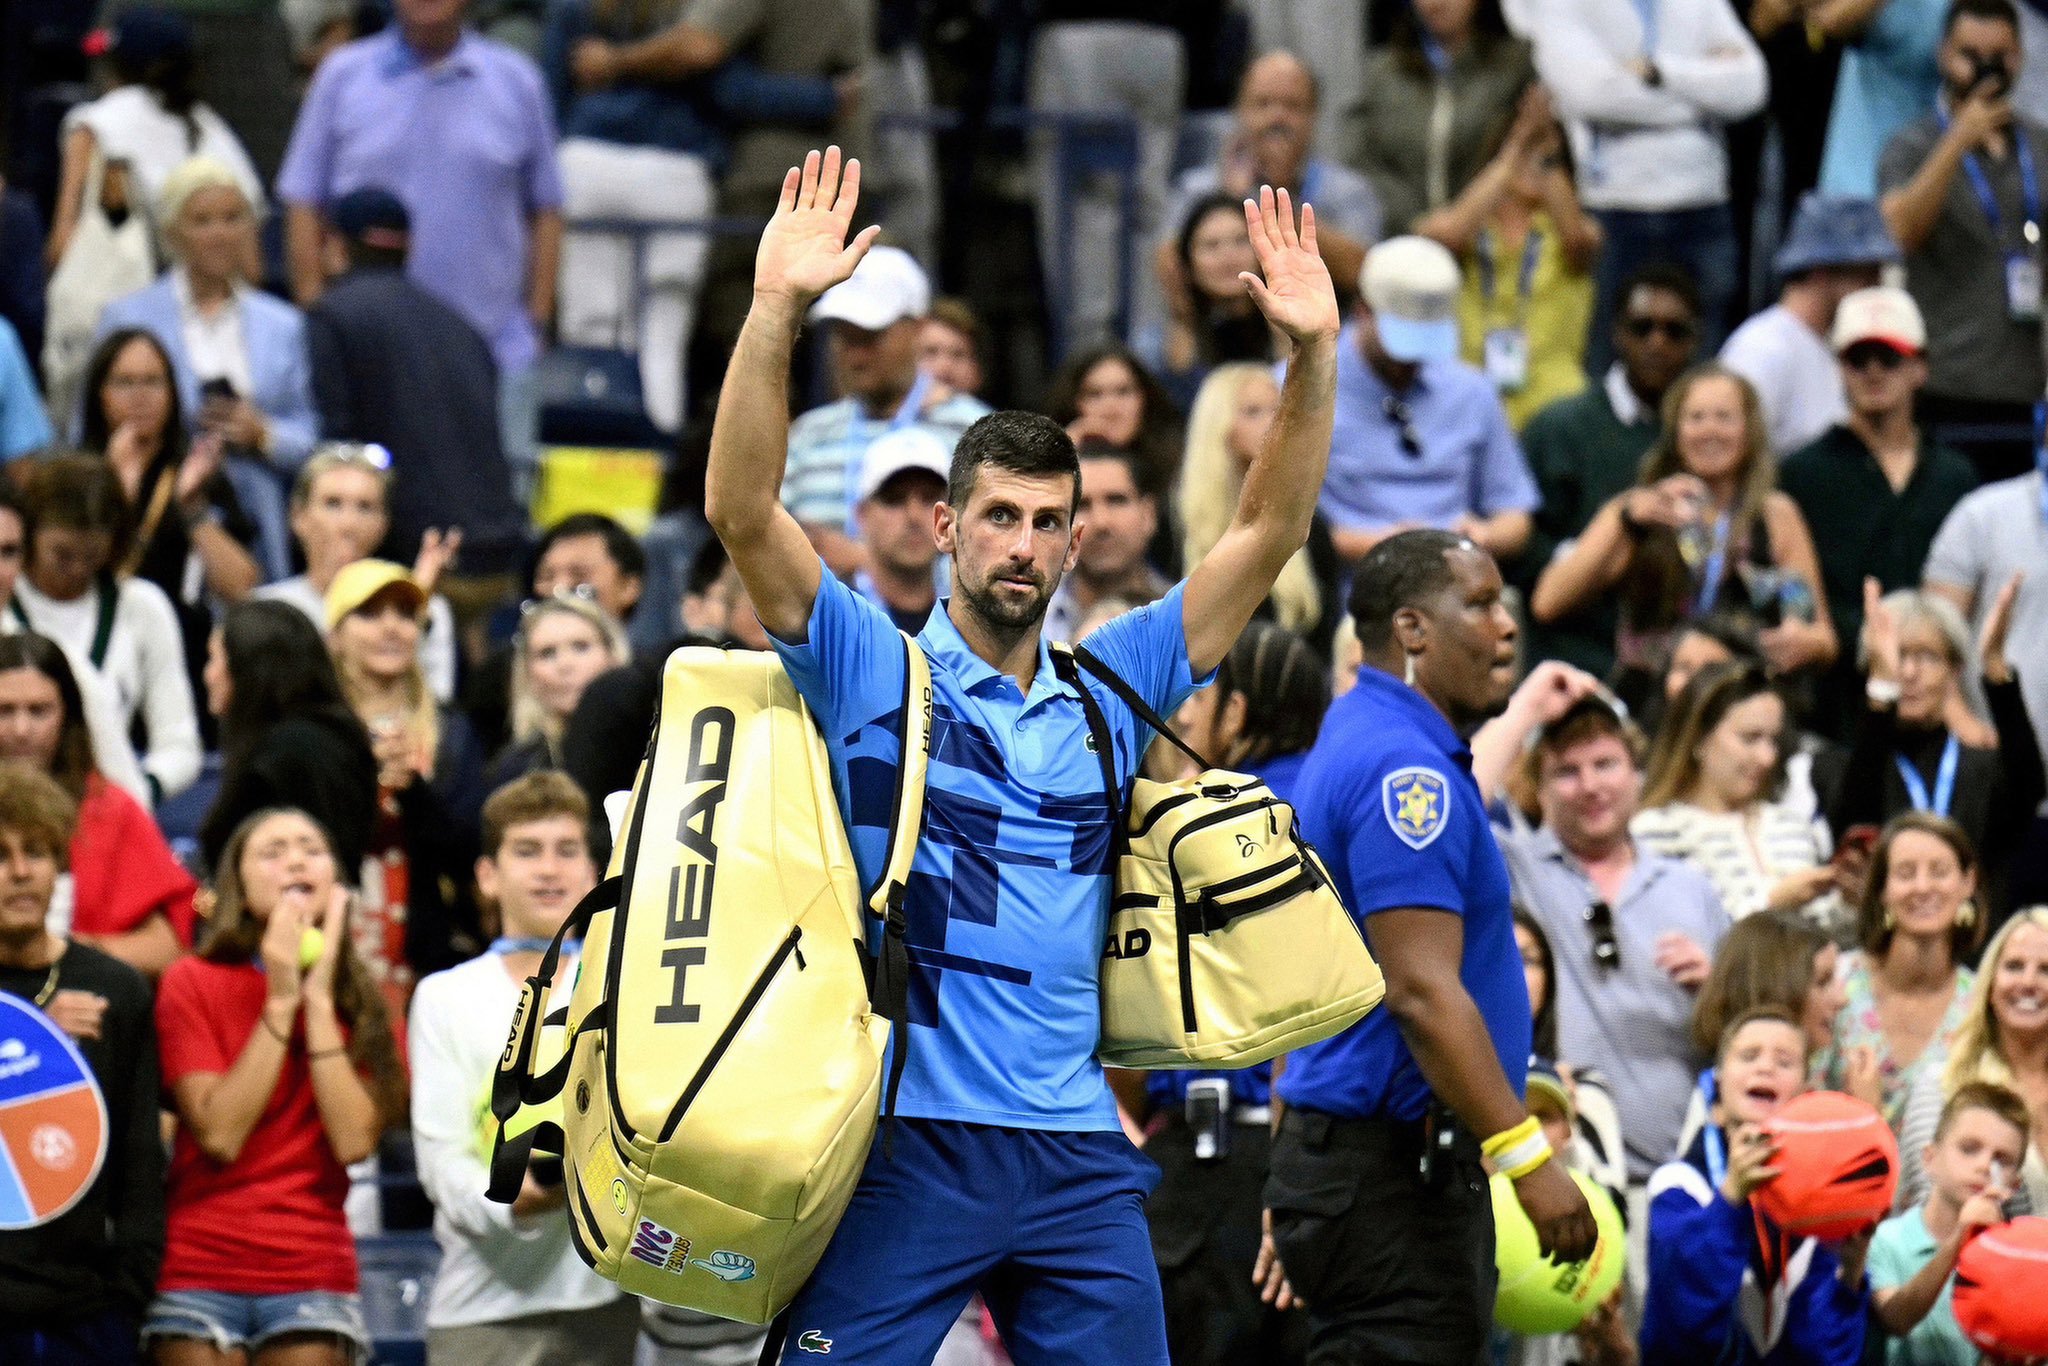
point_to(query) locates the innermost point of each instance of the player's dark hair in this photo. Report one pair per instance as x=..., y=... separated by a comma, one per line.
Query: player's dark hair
x=1016, y=443
x=1404, y=570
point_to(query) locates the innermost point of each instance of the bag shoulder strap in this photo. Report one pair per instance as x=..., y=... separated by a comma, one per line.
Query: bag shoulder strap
x=906, y=822
x=1131, y=698
x=1069, y=673
x=889, y=964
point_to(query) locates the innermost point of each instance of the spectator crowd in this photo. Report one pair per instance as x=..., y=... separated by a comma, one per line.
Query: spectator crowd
x=1717, y=324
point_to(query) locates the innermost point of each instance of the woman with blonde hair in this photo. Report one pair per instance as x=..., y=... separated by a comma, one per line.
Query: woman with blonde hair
x=418, y=916
x=2003, y=1038
x=281, y=1065
x=1232, y=416
x=563, y=643
x=1704, y=529
x=1708, y=798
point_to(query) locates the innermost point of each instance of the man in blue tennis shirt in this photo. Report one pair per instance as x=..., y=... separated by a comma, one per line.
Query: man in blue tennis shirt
x=1007, y=1171
x=1377, y=1199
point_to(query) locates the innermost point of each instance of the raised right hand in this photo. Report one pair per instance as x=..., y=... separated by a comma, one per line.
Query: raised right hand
x=804, y=250
x=1982, y=117
x=1880, y=632
x=280, y=945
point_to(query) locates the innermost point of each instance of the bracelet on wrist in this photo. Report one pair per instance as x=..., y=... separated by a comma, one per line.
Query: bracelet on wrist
x=1519, y=1162
x=273, y=1030
x=317, y=1054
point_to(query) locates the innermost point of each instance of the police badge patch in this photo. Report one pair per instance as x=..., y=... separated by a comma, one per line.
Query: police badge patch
x=1418, y=804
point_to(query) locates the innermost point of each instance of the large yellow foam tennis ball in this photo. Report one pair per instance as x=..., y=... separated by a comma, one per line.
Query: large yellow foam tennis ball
x=1537, y=1295
x=312, y=943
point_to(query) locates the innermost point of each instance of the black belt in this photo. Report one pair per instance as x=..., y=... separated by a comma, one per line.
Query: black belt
x=1317, y=1130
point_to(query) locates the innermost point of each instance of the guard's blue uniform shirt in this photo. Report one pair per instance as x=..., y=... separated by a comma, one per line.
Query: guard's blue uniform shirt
x=1248, y=1085
x=1008, y=900
x=1387, y=798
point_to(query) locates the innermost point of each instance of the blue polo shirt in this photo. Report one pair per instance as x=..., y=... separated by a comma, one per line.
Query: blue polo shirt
x=1387, y=798
x=1008, y=901
x=1465, y=457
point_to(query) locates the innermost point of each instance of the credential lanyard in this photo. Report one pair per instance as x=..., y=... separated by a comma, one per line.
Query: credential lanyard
x=1716, y=567
x=2030, y=188
x=1944, y=780
x=531, y=943
x=1532, y=247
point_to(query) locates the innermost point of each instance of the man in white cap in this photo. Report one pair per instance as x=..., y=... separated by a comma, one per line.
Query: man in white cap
x=903, y=478
x=1875, y=487
x=1421, y=439
x=871, y=324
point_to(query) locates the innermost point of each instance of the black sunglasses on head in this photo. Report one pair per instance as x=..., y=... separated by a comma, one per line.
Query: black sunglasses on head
x=1674, y=329
x=1606, y=949
x=1402, y=416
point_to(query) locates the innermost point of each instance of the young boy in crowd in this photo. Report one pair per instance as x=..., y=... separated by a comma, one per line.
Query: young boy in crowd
x=1971, y=1165
x=510, y=1283
x=1724, y=1287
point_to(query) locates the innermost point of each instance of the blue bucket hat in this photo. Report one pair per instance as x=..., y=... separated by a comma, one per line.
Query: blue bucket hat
x=1835, y=230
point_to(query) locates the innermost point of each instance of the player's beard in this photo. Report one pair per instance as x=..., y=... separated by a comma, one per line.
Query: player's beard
x=1005, y=613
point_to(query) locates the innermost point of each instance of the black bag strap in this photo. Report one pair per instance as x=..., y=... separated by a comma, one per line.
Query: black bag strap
x=889, y=965
x=514, y=1083
x=1068, y=672
x=1140, y=708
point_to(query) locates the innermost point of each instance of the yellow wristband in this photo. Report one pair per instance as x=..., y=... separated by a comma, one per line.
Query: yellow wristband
x=1508, y=1138
x=1520, y=1161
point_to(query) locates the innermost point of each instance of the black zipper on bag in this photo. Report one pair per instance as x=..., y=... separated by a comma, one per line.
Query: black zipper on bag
x=786, y=951
x=1187, y=919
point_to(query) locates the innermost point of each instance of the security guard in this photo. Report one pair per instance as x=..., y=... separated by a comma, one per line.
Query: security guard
x=1377, y=1199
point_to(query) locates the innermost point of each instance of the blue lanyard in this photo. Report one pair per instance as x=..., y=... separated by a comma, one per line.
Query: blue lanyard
x=1439, y=60
x=519, y=944
x=1716, y=567
x=1944, y=780
x=2030, y=189
x=1532, y=247
x=1714, y=1141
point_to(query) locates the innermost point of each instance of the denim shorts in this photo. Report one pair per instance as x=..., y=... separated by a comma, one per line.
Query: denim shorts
x=231, y=1321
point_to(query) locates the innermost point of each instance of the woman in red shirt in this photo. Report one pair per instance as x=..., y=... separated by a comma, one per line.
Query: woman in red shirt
x=278, y=1056
x=129, y=896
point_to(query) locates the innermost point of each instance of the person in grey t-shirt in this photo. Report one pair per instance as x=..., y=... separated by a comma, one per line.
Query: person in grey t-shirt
x=1954, y=188
x=1632, y=934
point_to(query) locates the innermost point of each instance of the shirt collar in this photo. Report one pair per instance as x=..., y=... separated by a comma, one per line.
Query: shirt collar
x=1622, y=398
x=1545, y=845
x=401, y=57
x=943, y=642
x=1390, y=692
x=181, y=290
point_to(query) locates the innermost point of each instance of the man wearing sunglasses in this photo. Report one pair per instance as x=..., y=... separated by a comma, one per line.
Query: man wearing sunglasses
x=1631, y=933
x=1876, y=487
x=1587, y=449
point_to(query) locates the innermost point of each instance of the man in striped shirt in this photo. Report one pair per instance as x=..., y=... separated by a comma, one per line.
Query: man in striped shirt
x=872, y=320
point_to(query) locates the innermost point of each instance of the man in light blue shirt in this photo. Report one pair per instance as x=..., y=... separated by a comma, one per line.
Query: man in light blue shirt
x=1421, y=438
x=1006, y=1171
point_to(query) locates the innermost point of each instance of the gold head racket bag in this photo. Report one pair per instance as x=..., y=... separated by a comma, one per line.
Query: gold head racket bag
x=1227, y=944
x=718, y=1093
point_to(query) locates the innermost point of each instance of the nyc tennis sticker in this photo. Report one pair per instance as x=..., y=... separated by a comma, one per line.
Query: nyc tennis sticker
x=53, y=1120
x=1417, y=803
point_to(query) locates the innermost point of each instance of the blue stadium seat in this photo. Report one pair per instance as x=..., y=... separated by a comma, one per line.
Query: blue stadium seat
x=397, y=1277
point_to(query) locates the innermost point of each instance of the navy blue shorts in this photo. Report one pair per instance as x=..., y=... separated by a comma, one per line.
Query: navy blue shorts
x=1049, y=1227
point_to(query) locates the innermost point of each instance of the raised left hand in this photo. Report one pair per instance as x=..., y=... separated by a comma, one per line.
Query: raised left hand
x=1997, y=622
x=1296, y=294
x=201, y=463
x=437, y=552
x=1552, y=689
